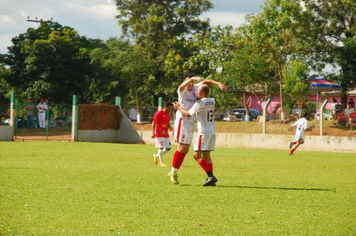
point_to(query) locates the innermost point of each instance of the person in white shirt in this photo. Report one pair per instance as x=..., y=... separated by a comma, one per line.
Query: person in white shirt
x=184, y=125
x=205, y=140
x=133, y=114
x=42, y=108
x=302, y=125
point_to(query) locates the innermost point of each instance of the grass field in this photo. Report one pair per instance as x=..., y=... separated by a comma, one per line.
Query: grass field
x=64, y=188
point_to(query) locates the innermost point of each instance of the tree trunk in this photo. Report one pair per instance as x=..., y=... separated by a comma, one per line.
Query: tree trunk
x=343, y=99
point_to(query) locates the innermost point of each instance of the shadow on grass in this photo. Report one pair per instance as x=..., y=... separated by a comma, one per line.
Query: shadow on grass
x=278, y=188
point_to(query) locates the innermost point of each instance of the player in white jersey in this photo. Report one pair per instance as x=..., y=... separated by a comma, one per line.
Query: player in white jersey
x=205, y=140
x=184, y=125
x=302, y=125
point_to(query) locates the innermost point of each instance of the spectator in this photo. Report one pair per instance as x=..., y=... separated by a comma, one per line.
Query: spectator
x=42, y=108
x=133, y=114
x=30, y=110
x=345, y=115
x=335, y=105
x=352, y=103
x=49, y=106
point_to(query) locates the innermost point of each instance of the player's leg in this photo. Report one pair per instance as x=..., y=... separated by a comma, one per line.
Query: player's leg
x=350, y=123
x=183, y=134
x=164, y=148
x=300, y=141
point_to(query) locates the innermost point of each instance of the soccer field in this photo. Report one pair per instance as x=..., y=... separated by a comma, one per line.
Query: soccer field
x=65, y=188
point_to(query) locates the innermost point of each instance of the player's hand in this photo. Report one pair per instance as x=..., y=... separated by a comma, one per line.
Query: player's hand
x=176, y=105
x=222, y=87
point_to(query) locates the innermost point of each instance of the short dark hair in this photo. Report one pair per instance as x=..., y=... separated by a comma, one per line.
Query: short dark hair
x=205, y=89
x=304, y=114
x=167, y=104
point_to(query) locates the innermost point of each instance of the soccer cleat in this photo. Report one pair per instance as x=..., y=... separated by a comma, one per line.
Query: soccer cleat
x=162, y=164
x=211, y=181
x=212, y=184
x=290, y=145
x=155, y=159
x=290, y=154
x=174, y=177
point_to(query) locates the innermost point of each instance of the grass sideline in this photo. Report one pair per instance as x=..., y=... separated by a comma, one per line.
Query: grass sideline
x=64, y=188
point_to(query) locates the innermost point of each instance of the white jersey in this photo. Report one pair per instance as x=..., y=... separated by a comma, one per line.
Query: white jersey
x=302, y=124
x=204, y=110
x=42, y=107
x=186, y=100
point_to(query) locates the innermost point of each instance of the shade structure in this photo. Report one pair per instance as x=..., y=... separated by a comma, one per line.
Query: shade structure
x=322, y=85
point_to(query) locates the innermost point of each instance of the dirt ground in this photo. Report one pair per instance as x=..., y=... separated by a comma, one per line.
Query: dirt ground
x=54, y=134
x=273, y=127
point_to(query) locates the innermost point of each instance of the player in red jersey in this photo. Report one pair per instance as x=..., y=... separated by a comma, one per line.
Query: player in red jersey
x=160, y=126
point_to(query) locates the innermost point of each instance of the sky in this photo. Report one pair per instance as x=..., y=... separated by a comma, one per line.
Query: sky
x=96, y=18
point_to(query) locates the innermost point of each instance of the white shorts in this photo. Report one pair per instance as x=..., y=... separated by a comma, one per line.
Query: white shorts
x=183, y=131
x=204, y=143
x=163, y=142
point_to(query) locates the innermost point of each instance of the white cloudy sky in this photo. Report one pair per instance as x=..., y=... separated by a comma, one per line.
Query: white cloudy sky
x=96, y=18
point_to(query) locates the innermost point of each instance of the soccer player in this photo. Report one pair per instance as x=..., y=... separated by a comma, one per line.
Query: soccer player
x=302, y=125
x=160, y=126
x=205, y=140
x=183, y=125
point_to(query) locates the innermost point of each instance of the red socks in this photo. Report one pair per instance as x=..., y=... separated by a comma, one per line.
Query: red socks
x=210, y=165
x=204, y=165
x=178, y=159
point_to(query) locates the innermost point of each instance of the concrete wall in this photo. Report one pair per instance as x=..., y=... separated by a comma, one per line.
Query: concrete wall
x=281, y=142
x=6, y=133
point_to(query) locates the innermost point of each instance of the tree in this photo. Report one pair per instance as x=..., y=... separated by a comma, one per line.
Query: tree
x=283, y=31
x=334, y=22
x=47, y=61
x=163, y=28
x=295, y=77
x=245, y=68
x=130, y=68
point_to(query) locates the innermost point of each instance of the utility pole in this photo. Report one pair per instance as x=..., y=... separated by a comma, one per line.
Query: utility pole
x=40, y=20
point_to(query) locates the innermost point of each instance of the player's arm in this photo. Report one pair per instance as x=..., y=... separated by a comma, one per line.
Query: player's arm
x=188, y=81
x=153, y=129
x=219, y=84
x=179, y=108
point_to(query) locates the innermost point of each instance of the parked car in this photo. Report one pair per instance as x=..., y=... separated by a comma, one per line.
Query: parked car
x=237, y=114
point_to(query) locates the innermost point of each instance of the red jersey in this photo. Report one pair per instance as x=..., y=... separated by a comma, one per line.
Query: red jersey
x=161, y=119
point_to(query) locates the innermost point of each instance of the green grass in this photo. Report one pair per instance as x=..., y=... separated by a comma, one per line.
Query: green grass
x=64, y=188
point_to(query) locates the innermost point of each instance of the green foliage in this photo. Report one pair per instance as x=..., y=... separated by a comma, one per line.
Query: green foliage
x=346, y=58
x=295, y=77
x=282, y=30
x=47, y=61
x=56, y=188
x=158, y=20
x=162, y=29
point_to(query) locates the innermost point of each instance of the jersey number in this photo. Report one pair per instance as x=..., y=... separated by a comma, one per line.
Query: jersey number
x=210, y=115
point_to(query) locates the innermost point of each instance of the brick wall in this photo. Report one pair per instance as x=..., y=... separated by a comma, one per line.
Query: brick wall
x=99, y=117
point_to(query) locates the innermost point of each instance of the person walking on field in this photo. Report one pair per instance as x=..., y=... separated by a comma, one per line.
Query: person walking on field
x=206, y=137
x=160, y=126
x=42, y=108
x=184, y=125
x=302, y=125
